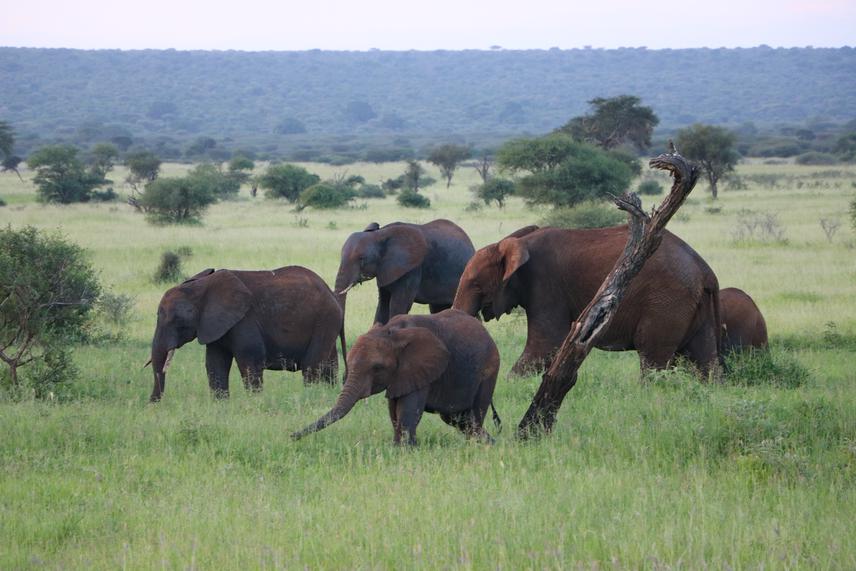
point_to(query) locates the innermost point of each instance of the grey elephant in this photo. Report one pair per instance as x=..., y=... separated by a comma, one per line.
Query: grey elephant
x=283, y=319
x=419, y=263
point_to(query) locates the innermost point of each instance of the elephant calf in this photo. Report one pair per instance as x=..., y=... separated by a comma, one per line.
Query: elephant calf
x=444, y=363
x=743, y=326
x=283, y=319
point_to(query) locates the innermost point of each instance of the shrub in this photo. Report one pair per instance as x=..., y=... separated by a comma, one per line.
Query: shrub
x=765, y=367
x=286, y=181
x=371, y=191
x=209, y=178
x=649, y=187
x=169, y=269
x=108, y=195
x=586, y=215
x=327, y=195
x=61, y=176
x=496, y=190
x=816, y=158
x=48, y=290
x=410, y=199
x=764, y=226
x=853, y=213
x=175, y=201
x=115, y=308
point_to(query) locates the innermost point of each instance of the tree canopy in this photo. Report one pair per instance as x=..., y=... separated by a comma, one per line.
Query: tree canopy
x=613, y=122
x=447, y=158
x=286, y=181
x=61, y=176
x=559, y=171
x=712, y=147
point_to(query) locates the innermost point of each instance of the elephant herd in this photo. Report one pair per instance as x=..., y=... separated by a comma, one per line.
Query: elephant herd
x=446, y=362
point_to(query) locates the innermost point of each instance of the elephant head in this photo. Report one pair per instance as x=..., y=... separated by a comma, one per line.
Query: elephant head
x=489, y=283
x=205, y=306
x=398, y=360
x=386, y=253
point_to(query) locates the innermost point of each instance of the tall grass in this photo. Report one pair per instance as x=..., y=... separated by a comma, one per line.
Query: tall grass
x=669, y=472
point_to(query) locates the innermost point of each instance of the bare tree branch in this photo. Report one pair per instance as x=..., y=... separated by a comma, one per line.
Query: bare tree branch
x=643, y=239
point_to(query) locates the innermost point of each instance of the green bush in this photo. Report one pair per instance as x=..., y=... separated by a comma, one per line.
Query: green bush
x=209, y=178
x=649, y=187
x=286, y=181
x=61, y=177
x=816, y=158
x=410, y=199
x=327, y=195
x=169, y=269
x=853, y=213
x=585, y=215
x=371, y=191
x=48, y=289
x=496, y=190
x=765, y=367
x=175, y=200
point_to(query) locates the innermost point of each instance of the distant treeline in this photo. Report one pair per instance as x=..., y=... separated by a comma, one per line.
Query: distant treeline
x=341, y=106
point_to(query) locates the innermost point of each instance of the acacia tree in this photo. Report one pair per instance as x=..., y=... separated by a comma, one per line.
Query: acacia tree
x=47, y=291
x=286, y=181
x=61, y=176
x=559, y=171
x=712, y=147
x=10, y=162
x=144, y=167
x=613, y=122
x=447, y=158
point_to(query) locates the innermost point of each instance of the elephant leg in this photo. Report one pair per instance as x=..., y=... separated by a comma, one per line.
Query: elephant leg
x=701, y=350
x=218, y=363
x=470, y=423
x=545, y=332
x=382, y=312
x=403, y=292
x=321, y=360
x=252, y=375
x=408, y=413
x=393, y=418
x=438, y=307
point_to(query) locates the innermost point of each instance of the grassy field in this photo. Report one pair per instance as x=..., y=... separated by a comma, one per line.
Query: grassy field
x=668, y=474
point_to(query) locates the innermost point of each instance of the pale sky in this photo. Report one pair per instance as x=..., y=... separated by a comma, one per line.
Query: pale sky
x=432, y=24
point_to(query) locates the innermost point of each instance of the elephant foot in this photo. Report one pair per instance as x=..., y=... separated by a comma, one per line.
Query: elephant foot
x=529, y=366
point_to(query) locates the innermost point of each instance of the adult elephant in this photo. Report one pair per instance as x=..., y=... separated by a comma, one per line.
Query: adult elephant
x=284, y=319
x=419, y=263
x=670, y=308
x=743, y=326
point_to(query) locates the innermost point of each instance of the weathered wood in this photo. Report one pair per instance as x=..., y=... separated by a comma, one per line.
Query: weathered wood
x=643, y=239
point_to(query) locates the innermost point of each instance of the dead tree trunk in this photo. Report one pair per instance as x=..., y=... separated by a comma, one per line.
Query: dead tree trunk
x=643, y=239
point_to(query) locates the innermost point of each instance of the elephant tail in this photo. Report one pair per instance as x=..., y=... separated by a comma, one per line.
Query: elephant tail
x=344, y=350
x=496, y=420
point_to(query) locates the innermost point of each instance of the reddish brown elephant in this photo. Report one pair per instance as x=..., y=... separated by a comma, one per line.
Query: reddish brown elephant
x=671, y=307
x=284, y=319
x=444, y=363
x=419, y=263
x=743, y=326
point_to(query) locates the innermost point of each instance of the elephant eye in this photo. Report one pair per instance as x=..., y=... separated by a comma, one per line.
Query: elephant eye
x=377, y=367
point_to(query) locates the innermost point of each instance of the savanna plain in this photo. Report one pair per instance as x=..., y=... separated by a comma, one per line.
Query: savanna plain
x=671, y=472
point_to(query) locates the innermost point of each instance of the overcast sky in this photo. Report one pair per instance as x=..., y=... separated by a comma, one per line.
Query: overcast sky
x=432, y=24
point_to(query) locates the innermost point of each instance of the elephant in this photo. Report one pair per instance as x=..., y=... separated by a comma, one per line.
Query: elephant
x=282, y=319
x=411, y=262
x=445, y=363
x=671, y=308
x=743, y=326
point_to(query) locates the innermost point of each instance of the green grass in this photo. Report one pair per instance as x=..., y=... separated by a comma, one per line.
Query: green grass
x=666, y=473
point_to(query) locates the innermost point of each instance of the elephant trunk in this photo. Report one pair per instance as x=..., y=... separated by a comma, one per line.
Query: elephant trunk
x=161, y=357
x=351, y=393
x=466, y=302
x=345, y=280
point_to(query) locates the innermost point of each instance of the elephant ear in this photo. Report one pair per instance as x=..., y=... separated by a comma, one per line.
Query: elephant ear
x=404, y=249
x=514, y=254
x=225, y=301
x=422, y=358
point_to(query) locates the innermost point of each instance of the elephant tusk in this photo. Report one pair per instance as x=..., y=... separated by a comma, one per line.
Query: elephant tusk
x=168, y=361
x=347, y=289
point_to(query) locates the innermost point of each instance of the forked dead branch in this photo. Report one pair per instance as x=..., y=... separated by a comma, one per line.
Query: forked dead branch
x=643, y=239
